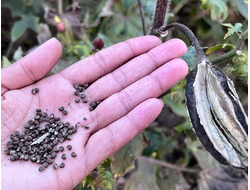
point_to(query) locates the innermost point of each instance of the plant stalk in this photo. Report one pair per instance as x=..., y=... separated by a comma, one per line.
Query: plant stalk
x=162, y=7
x=142, y=17
x=232, y=53
x=168, y=165
x=200, y=54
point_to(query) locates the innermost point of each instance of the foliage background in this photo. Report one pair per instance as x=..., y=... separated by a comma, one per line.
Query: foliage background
x=166, y=155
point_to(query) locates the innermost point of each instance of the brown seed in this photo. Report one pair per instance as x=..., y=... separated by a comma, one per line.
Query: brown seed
x=73, y=154
x=69, y=137
x=49, y=161
x=61, y=148
x=76, y=86
x=62, y=165
x=69, y=147
x=63, y=156
x=55, y=166
x=64, y=112
x=41, y=169
x=61, y=108
x=77, y=100
x=45, y=164
x=36, y=90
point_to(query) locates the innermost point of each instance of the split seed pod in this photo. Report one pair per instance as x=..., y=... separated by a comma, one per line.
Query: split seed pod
x=217, y=115
x=215, y=110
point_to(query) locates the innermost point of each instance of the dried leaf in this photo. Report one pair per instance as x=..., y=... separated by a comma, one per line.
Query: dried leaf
x=143, y=178
x=124, y=157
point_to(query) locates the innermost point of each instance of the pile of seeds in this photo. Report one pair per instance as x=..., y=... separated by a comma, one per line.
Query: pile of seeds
x=38, y=143
x=80, y=93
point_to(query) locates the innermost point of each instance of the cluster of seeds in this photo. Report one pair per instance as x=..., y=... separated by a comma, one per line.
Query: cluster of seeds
x=38, y=142
x=82, y=97
x=35, y=90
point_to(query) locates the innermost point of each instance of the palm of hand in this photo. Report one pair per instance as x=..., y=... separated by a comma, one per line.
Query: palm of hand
x=128, y=105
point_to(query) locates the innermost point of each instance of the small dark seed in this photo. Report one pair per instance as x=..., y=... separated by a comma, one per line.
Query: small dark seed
x=55, y=166
x=41, y=169
x=36, y=90
x=61, y=108
x=63, y=156
x=91, y=108
x=64, y=112
x=86, y=126
x=76, y=86
x=77, y=100
x=7, y=152
x=26, y=157
x=85, y=119
x=53, y=155
x=37, y=117
x=84, y=100
x=62, y=165
x=38, y=110
x=69, y=137
x=69, y=147
x=45, y=114
x=30, y=122
x=33, y=91
x=61, y=148
x=56, y=150
x=76, y=93
x=17, y=133
x=80, y=89
x=73, y=154
x=86, y=86
x=45, y=164
x=49, y=161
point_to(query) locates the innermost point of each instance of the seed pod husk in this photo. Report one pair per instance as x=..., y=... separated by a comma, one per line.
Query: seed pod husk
x=217, y=115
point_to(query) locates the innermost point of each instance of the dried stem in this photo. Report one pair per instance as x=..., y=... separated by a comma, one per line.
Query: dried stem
x=162, y=7
x=142, y=17
x=200, y=54
x=168, y=165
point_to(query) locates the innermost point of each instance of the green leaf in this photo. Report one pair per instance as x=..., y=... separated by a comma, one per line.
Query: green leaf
x=189, y=57
x=124, y=157
x=183, y=127
x=219, y=46
x=21, y=26
x=232, y=29
x=17, y=7
x=190, y=133
x=176, y=106
x=218, y=9
x=18, y=54
x=128, y=4
x=242, y=7
x=6, y=62
x=143, y=178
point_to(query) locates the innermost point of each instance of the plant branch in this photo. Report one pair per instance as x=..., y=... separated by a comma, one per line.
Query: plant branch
x=200, y=54
x=162, y=7
x=142, y=17
x=59, y=6
x=232, y=53
x=168, y=165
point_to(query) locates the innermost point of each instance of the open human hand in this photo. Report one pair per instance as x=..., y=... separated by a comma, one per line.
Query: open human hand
x=126, y=77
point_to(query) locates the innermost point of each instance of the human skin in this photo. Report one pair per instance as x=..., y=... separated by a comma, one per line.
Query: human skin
x=127, y=77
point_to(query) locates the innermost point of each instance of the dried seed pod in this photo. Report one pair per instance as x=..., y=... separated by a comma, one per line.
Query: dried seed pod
x=214, y=109
x=217, y=115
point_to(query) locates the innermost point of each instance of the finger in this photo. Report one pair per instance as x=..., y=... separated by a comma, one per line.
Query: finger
x=135, y=69
x=32, y=67
x=111, y=138
x=119, y=104
x=105, y=61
